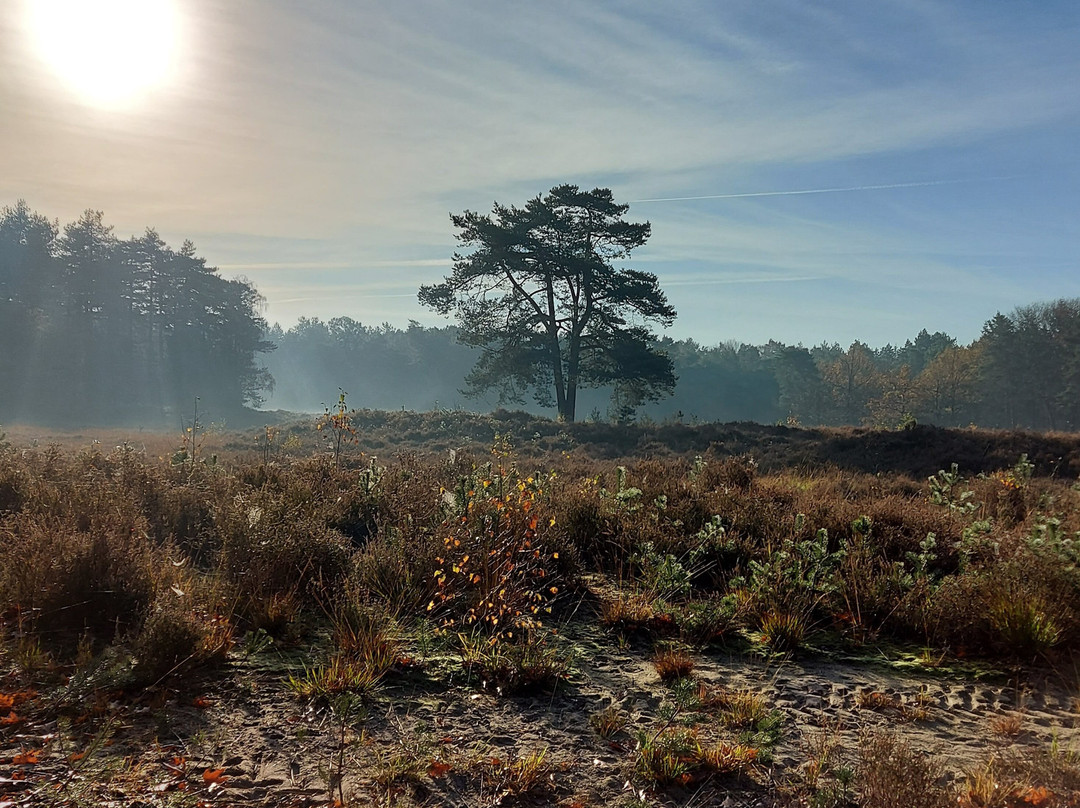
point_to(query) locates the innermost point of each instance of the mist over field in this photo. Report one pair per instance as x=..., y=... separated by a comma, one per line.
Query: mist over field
x=102, y=330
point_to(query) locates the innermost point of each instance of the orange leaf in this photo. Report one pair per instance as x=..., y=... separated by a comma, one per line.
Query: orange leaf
x=9, y=700
x=437, y=769
x=1038, y=796
x=76, y=757
x=202, y=702
x=214, y=776
x=27, y=758
x=10, y=719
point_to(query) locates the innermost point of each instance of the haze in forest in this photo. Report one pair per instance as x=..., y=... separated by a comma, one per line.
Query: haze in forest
x=861, y=214
x=102, y=330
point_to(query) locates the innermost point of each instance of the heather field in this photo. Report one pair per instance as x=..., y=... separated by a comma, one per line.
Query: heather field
x=448, y=609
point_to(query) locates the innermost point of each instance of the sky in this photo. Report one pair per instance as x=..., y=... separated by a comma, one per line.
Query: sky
x=813, y=171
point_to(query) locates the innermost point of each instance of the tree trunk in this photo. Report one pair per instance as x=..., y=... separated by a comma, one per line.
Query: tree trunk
x=574, y=350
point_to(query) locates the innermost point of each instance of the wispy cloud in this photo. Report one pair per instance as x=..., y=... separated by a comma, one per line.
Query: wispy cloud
x=803, y=192
x=670, y=281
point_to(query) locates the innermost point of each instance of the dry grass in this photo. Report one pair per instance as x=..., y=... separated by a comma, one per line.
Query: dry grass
x=672, y=662
x=121, y=552
x=94, y=540
x=608, y=722
x=890, y=774
x=1007, y=726
x=678, y=756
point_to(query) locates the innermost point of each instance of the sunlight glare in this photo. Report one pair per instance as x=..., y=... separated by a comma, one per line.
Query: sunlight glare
x=109, y=52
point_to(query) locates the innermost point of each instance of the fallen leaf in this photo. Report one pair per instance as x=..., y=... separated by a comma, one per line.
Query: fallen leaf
x=1038, y=796
x=202, y=702
x=9, y=700
x=76, y=757
x=214, y=776
x=27, y=758
x=10, y=719
x=437, y=769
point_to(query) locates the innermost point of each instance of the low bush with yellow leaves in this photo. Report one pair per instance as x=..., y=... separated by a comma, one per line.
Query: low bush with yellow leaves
x=496, y=574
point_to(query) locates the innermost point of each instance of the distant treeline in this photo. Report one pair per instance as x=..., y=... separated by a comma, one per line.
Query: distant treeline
x=95, y=330
x=98, y=330
x=1024, y=371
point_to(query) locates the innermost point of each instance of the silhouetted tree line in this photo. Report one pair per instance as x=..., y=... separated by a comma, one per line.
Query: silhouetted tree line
x=1023, y=371
x=96, y=330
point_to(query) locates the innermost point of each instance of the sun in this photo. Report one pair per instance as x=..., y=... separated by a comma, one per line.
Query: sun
x=110, y=53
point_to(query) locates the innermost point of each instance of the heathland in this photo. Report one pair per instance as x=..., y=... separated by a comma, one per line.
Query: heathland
x=447, y=609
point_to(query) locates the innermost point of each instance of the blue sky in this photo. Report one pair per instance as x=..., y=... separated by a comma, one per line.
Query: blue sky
x=318, y=149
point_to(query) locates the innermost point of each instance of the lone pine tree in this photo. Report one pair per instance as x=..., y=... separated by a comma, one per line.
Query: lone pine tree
x=539, y=295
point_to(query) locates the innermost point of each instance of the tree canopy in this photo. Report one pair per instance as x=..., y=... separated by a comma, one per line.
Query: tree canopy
x=540, y=296
x=97, y=330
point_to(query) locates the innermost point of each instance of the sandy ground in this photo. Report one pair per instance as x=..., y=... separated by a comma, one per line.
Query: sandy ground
x=237, y=736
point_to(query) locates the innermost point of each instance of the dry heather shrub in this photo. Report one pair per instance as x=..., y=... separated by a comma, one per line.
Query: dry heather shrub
x=269, y=550
x=729, y=473
x=173, y=639
x=951, y=616
x=870, y=589
x=1023, y=608
x=901, y=523
x=399, y=574
x=893, y=775
x=757, y=519
x=63, y=579
x=183, y=516
x=12, y=487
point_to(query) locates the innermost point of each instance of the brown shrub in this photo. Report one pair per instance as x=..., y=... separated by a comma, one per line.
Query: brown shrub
x=65, y=580
x=893, y=775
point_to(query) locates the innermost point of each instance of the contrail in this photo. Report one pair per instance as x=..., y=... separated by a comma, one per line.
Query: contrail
x=822, y=190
